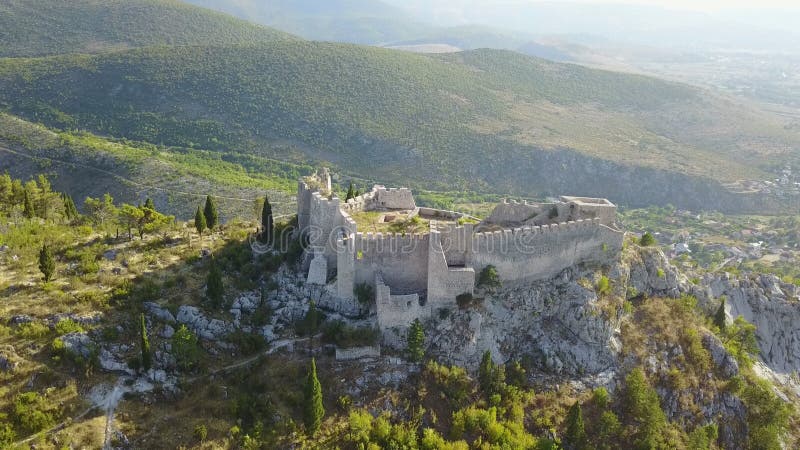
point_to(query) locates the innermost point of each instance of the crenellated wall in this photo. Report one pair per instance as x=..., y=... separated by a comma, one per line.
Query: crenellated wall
x=415, y=275
x=535, y=253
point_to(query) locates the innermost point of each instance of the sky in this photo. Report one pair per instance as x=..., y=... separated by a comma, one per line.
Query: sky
x=698, y=5
x=718, y=5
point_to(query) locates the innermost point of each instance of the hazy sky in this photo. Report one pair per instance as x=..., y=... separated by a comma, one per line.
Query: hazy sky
x=709, y=5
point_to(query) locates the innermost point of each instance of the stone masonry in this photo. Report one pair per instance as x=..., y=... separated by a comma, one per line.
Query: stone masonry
x=416, y=275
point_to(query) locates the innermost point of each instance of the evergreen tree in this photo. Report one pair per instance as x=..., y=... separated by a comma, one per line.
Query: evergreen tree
x=214, y=286
x=47, y=265
x=643, y=412
x=210, y=212
x=199, y=221
x=267, y=225
x=149, y=204
x=357, y=193
x=416, y=341
x=720, y=317
x=350, y=193
x=70, y=210
x=313, y=410
x=147, y=357
x=28, y=211
x=575, y=436
x=491, y=377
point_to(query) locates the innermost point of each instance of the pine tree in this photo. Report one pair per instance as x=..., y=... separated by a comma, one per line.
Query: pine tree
x=47, y=265
x=575, y=436
x=267, y=224
x=199, y=221
x=313, y=410
x=147, y=357
x=28, y=210
x=350, y=193
x=416, y=341
x=210, y=212
x=149, y=204
x=720, y=317
x=214, y=287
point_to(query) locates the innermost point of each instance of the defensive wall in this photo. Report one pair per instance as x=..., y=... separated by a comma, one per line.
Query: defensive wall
x=414, y=275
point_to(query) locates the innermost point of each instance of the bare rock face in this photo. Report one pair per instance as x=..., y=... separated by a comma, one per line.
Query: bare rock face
x=769, y=304
x=648, y=271
x=556, y=323
x=209, y=329
x=725, y=363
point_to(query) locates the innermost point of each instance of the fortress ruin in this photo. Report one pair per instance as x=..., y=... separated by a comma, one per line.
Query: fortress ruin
x=418, y=260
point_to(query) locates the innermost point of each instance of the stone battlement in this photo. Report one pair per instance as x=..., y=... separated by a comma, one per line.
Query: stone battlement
x=414, y=275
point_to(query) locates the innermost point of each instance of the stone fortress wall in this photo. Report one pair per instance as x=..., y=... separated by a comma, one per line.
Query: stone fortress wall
x=415, y=275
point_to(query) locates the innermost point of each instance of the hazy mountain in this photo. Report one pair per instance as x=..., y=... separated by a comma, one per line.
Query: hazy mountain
x=483, y=120
x=624, y=23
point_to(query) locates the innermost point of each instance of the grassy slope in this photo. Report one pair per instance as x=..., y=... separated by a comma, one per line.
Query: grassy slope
x=45, y=27
x=393, y=113
x=176, y=178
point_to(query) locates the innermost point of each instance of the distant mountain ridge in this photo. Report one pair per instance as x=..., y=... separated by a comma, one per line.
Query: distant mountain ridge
x=50, y=27
x=489, y=121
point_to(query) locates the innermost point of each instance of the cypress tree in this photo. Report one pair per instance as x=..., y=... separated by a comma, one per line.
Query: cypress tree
x=28, y=210
x=575, y=436
x=313, y=410
x=149, y=204
x=47, y=265
x=719, y=316
x=214, y=287
x=147, y=357
x=210, y=211
x=491, y=377
x=199, y=221
x=70, y=210
x=267, y=224
x=350, y=193
x=416, y=341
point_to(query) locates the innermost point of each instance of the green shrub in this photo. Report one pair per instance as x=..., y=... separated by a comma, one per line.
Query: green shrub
x=603, y=285
x=33, y=330
x=767, y=415
x=67, y=326
x=464, y=300
x=647, y=240
x=364, y=293
x=7, y=435
x=186, y=348
x=32, y=413
x=343, y=335
x=489, y=278
x=247, y=343
x=200, y=432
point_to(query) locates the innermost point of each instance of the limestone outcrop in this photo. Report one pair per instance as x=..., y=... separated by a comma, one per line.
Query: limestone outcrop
x=557, y=323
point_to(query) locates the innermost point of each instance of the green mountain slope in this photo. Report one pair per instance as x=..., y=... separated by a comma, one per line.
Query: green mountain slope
x=177, y=179
x=482, y=120
x=46, y=27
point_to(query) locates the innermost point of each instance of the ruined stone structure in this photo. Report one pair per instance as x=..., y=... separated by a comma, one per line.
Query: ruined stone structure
x=416, y=275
